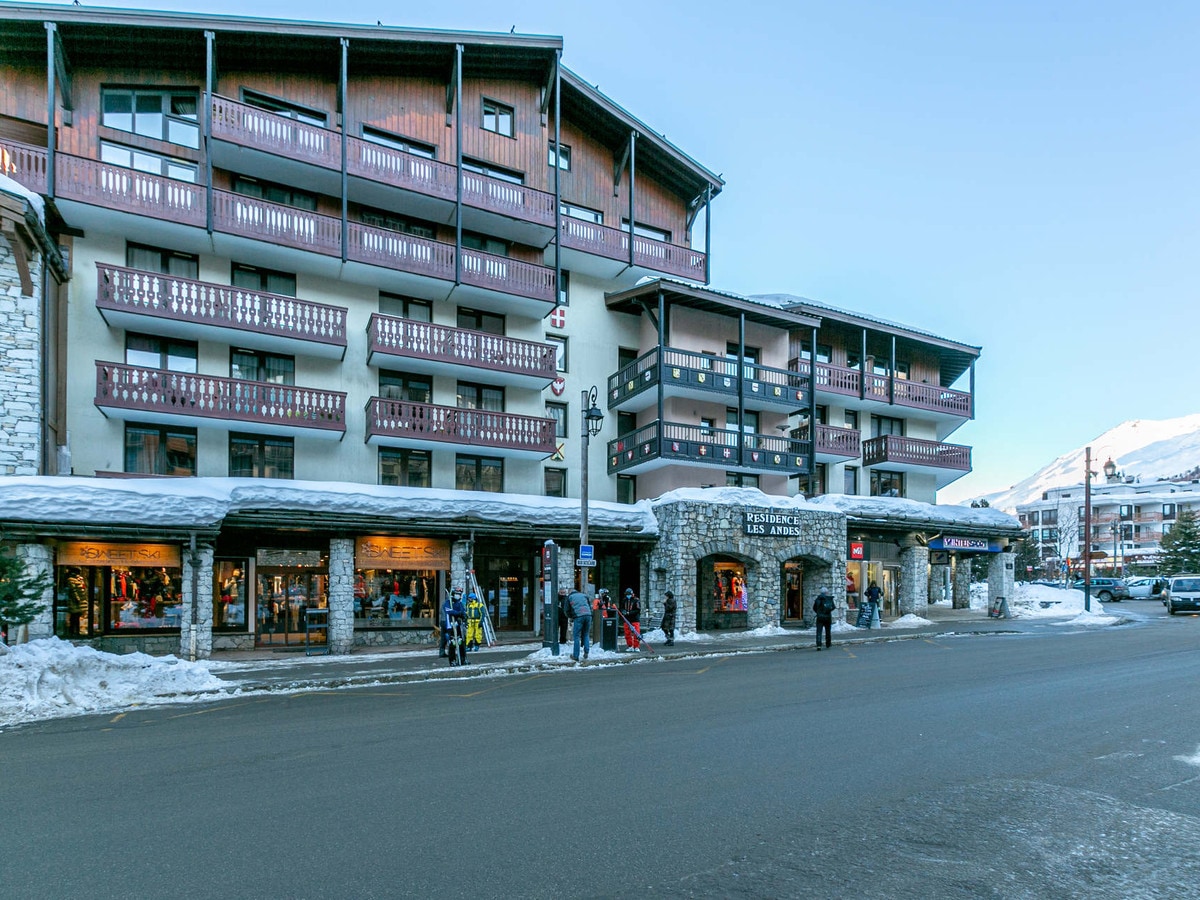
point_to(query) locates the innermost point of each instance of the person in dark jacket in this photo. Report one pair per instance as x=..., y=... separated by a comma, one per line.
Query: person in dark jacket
x=668, y=620
x=562, y=615
x=874, y=595
x=631, y=610
x=579, y=611
x=824, y=606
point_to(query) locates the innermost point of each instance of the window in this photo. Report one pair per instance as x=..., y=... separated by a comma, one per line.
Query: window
x=479, y=473
x=1168, y=510
x=405, y=307
x=1035, y=517
x=562, y=157
x=492, y=171
x=850, y=480
x=647, y=231
x=884, y=425
x=258, y=365
x=824, y=352
x=412, y=388
x=416, y=227
x=560, y=351
x=1050, y=534
x=1126, y=511
x=819, y=480
x=749, y=424
x=259, y=456
x=582, y=213
x=555, y=483
x=153, y=352
x=887, y=484
x=404, y=468
x=274, y=193
x=480, y=396
x=159, y=450
x=853, y=360
x=497, y=118
x=258, y=279
x=564, y=288
x=485, y=244
x=901, y=369
x=750, y=360
x=558, y=412
x=164, y=262
x=626, y=488
x=477, y=320
x=285, y=108
x=165, y=115
x=1049, y=516
x=739, y=479
x=395, y=142
x=851, y=419
x=145, y=161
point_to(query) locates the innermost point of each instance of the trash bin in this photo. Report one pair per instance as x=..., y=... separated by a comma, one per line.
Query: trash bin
x=608, y=631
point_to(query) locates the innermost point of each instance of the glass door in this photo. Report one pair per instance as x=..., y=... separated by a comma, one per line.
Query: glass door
x=284, y=598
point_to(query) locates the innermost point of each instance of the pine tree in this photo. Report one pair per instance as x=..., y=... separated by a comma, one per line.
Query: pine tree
x=1027, y=559
x=20, y=593
x=1179, y=551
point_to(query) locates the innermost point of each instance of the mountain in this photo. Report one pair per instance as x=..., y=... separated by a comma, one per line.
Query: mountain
x=1142, y=448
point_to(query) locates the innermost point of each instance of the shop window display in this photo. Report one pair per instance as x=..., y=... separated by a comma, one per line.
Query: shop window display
x=723, y=597
x=388, y=598
x=229, y=595
x=113, y=599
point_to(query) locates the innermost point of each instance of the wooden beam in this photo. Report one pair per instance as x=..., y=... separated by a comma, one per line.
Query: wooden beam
x=64, y=72
x=619, y=167
x=452, y=86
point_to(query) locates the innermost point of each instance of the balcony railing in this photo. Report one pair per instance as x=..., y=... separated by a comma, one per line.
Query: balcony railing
x=440, y=343
x=402, y=420
x=686, y=369
x=834, y=441
x=248, y=126
x=613, y=243
x=24, y=164
x=832, y=379
x=686, y=444
x=115, y=187
x=133, y=291
x=898, y=450
x=134, y=388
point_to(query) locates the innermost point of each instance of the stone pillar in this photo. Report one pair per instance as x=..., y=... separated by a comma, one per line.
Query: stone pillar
x=939, y=578
x=37, y=560
x=204, y=604
x=961, y=598
x=341, y=595
x=20, y=366
x=914, y=576
x=1001, y=578
x=462, y=561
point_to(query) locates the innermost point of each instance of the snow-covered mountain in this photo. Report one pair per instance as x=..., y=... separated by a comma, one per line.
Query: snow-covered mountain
x=1141, y=448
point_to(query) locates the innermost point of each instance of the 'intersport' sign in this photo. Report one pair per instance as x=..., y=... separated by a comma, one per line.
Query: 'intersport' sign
x=772, y=524
x=970, y=545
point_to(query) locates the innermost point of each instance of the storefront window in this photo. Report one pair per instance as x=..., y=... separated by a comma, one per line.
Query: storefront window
x=101, y=589
x=722, y=598
x=387, y=598
x=229, y=595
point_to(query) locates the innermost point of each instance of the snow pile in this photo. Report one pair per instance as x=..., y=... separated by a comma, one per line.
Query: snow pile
x=908, y=621
x=49, y=678
x=1042, y=601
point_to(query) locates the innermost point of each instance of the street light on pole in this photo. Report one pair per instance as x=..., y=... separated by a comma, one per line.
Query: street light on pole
x=591, y=421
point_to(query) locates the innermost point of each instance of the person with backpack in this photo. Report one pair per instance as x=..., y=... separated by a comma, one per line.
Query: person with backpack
x=823, y=606
x=668, y=619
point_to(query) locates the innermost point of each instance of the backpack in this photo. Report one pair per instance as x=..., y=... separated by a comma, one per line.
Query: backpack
x=826, y=604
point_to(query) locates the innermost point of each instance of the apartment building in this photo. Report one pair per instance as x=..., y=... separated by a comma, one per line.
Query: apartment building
x=432, y=261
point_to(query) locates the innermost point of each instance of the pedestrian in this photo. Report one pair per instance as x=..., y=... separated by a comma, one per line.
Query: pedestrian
x=631, y=612
x=579, y=611
x=454, y=616
x=823, y=606
x=874, y=594
x=474, y=621
x=447, y=613
x=668, y=619
x=562, y=615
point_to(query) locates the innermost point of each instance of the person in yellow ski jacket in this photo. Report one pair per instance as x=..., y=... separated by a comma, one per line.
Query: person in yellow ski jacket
x=474, y=622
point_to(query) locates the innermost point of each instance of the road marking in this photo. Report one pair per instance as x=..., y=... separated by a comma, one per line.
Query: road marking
x=499, y=684
x=935, y=643
x=117, y=718
x=204, y=712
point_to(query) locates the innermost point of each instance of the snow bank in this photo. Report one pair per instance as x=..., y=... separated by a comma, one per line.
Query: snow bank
x=49, y=678
x=908, y=621
x=1041, y=601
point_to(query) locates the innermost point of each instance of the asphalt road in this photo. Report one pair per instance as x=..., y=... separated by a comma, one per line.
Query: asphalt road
x=1057, y=764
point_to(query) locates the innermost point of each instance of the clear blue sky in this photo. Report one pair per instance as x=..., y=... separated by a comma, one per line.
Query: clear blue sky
x=1021, y=176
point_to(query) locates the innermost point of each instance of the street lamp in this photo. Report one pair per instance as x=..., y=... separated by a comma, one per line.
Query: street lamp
x=1116, y=532
x=591, y=421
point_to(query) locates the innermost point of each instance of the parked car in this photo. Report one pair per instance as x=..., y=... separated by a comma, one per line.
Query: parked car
x=1144, y=588
x=1106, y=590
x=1182, y=592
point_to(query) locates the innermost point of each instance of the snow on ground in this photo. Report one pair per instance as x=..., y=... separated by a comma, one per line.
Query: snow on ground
x=48, y=678
x=908, y=621
x=1033, y=601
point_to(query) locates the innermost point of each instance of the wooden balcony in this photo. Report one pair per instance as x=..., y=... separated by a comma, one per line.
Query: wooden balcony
x=186, y=308
x=659, y=444
x=138, y=394
x=439, y=349
x=24, y=164
x=648, y=254
x=833, y=444
x=399, y=423
x=878, y=390
x=905, y=454
x=699, y=376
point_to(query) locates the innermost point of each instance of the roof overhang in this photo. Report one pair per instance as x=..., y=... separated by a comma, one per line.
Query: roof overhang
x=678, y=293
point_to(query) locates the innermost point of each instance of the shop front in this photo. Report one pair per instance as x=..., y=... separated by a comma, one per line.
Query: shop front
x=870, y=563
x=289, y=582
x=120, y=596
x=399, y=582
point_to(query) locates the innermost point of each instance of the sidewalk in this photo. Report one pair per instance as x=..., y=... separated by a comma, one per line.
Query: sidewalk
x=267, y=670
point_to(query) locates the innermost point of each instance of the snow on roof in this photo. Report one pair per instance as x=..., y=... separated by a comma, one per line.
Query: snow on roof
x=33, y=198
x=731, y=496
x=899, y=510
x=204, y=502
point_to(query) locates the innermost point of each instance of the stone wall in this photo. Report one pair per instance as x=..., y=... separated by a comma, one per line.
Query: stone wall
x=20, y=367
x=204, y=606
x=691, y=530
x=341, y=595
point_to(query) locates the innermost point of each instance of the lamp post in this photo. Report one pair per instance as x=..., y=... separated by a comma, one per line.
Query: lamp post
x=591, y=421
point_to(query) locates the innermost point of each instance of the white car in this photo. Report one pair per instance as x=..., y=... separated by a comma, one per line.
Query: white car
x=1141, y=588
